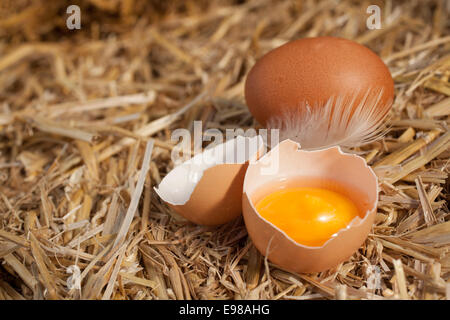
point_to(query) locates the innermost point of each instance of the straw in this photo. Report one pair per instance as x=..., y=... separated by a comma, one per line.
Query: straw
x=86, y=123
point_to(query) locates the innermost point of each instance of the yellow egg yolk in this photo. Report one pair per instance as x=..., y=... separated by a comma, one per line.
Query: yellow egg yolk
x=310, y=216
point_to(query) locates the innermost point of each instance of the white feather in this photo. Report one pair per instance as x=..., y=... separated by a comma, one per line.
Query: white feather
x=333, y=123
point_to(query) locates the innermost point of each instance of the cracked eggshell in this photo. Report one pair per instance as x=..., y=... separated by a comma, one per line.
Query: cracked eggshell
x=207, y=189
x=324, y=165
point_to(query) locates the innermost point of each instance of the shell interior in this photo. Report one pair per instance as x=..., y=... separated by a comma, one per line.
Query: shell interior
x=287, y=154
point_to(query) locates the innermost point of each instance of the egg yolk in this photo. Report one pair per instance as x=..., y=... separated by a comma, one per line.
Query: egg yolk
x=310, y=216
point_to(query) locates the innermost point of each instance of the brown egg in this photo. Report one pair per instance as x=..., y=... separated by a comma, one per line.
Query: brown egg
x=330, y=169
x=207, y=189
x=320, y=91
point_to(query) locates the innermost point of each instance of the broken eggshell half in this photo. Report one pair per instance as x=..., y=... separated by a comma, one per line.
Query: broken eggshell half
x=327, y=168
x=207, y=189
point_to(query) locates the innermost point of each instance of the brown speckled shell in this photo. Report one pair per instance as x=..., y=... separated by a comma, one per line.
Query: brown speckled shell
x=330, y=164
x=313, y=70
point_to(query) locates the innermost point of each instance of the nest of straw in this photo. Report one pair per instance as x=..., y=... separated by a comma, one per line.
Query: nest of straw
x=78, y=216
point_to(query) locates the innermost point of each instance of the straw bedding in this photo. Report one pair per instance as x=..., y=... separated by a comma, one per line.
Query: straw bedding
x=78, y=215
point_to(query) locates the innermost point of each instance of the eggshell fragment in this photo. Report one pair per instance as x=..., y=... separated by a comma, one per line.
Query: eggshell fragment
x=211, y=204
x=207, y=189
x=325, y=165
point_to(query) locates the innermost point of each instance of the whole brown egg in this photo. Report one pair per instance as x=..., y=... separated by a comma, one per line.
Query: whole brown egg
x=306, y=74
